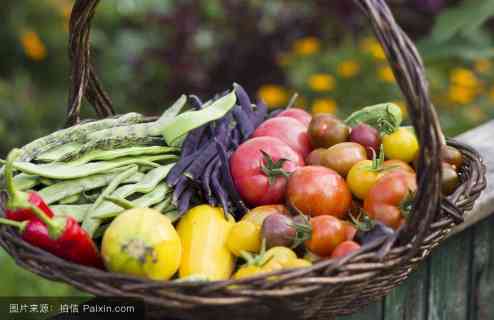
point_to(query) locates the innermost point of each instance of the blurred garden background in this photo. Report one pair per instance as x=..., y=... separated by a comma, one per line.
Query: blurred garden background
x=147, y=52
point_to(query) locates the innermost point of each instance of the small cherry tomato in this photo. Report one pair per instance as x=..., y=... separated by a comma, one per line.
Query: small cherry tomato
x=327, y=233
x=315, y=157
x=316, y=190
x=296, y=263
x=258, y=214
x=248, y=271
x=389, y=200
x=279, y=255
x=244, y=236
x=452, y=156
x=343, y=156
x=350, y=230
x=344, y=249
x=325, y=130
x=368, y=137
x=450, y=179
x=401, y=145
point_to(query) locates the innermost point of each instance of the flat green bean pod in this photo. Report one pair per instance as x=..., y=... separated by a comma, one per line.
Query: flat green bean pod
x=25, y=181
x=71, y=199
x=77, y=211
x=56, y=153
x=109, y=210
x=64, y=189
x=185, y=122
x=119, y=179
x=104, y=155
x=63, y=171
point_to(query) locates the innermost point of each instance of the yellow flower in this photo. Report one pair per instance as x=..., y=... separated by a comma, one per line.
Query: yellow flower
x=403, y=107
x=321, y=82
x=460, y=94
x=306, y=46
x=464, y=77
x=273, y=95
x=348, y=68
x=386, y=74
x=324, y=105
x=373, y=47
x=483, y=65
x=33, y=46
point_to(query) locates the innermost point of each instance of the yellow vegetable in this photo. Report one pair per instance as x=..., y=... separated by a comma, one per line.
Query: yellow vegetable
x=296, y=263
x=401, y=145
x=204, y=231
x=142, y=242
x=244, y=236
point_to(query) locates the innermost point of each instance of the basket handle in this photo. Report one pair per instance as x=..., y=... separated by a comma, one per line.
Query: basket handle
x=84, y=82
x=404, y=60
x=409, y=72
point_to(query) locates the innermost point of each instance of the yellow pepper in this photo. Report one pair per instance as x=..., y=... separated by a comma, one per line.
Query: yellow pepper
x=203, y=231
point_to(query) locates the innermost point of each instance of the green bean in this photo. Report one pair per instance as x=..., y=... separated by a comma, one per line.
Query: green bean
x=147, y=184
x=63, y=171
x=46, y=181
x=104, y=155
x=163, y=205
x=68, y=188
x=76, y=133
x=25, y=181
x=114, y=185
x=70, y=199
x=77, y=211
x=109, y=210
x=173, y=215
x=55, y=153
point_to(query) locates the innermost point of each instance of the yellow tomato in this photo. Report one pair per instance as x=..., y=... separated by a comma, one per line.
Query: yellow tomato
x=401, y=145
x=204, y=231
x=257, y=215
x=296, y=263
x=244, y=236
x=280, y=255
x=142, y=242
x=361, y=178
x=248, y=271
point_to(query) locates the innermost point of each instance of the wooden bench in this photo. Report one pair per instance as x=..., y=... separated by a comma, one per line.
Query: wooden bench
x=457, y=280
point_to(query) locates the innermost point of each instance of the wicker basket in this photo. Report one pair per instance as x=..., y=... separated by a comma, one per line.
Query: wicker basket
x=327, y=288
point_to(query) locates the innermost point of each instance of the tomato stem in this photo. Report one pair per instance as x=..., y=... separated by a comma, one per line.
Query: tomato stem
x=273, y=169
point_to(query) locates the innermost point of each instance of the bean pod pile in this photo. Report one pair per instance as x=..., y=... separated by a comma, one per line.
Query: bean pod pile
x=218, y=189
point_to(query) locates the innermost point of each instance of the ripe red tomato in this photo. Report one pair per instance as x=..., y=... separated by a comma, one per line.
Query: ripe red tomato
x=301, y=115
x=344, y=249
x=327, y=233
x=389, y=198
x=350, y=230
x=317, y=190
x=252, y=181
x=288, y=130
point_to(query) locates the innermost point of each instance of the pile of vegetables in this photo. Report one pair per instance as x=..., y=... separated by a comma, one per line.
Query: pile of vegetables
x=221, y=190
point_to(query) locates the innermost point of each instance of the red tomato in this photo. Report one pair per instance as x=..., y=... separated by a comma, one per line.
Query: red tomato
x=288, y=130
x=300, y=114
x=327, y=233
x=350, y=230
x=387, y=198
x=344, y=249
x=251, y=181
x=317, y=190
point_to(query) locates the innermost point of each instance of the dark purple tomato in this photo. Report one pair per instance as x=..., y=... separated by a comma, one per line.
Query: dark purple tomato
x=368, y=137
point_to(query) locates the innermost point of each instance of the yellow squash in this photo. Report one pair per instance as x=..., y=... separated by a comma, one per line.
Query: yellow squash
x=203, y=231
x=142, y=242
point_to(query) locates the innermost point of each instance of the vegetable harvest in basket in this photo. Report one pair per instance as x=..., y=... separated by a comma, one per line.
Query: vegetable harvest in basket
x=221, y=190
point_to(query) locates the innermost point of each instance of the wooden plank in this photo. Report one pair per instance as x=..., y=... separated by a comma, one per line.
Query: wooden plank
x=409, y=300
x=373, y=311
x=482, y=273
x=450, y=279
x=482, y=139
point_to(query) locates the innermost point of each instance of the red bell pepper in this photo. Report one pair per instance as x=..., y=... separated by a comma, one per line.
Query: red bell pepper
x=19, y=202
x=62, y=237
